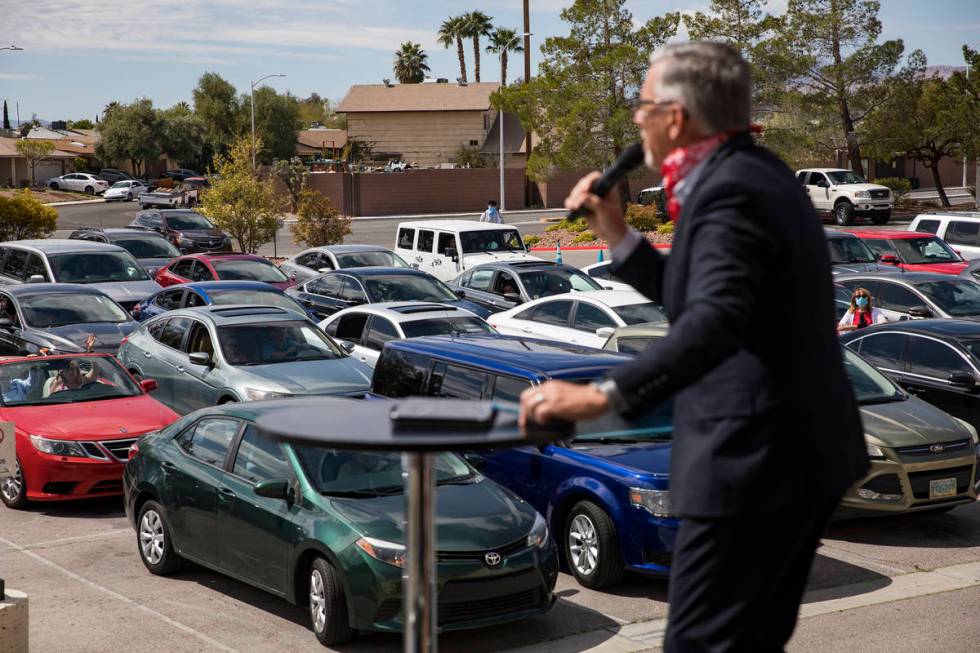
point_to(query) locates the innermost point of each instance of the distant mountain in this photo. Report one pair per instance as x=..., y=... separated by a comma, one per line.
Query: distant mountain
x=943, y=70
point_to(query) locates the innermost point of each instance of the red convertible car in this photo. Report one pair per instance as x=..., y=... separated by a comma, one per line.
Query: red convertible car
x=76, y=417
x=222, y=267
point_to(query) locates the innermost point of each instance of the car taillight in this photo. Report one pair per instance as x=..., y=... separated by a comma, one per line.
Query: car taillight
x=133, y=450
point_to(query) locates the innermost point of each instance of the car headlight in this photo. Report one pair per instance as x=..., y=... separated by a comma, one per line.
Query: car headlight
x=862, y=195
x=655, y=502
x=538, y=536
x=970, y=429
x=875, y=452
x=386, y=552
x=257, y=394
x=66, y=448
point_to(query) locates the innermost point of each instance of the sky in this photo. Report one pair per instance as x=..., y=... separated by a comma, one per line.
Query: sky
x=79, y=56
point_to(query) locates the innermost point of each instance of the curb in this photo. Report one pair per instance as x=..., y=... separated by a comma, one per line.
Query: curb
x=72, y=202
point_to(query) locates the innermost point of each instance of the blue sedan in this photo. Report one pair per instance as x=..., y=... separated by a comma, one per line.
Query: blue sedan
x=208, y=293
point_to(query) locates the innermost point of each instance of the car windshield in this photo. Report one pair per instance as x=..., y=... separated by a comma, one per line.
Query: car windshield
x=275, y=342
x=928, y=249
x=407, y=288
x=441, y=326
x=122, y=184
x=365, y=474
x=845, y=177
x=147, y=247
x=491, y=240
x=371, y=259
x=96, y=267
x=186, y=221
x=51, y=310
x=849, y=250
x=544, y=283
x=656, y=424
x=46, y=380
x=256, y=298
x=870, y=385
x=956, y=297
x=640, y=313
x=243, y=269
x=973, y=346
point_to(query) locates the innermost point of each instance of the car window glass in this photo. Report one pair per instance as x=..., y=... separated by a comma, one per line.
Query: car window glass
x=928, y=226
x=505, y=284
x=260, y=459
x=183, y=267
x=193, y=299
x=426, y=240
x=353, y=291
x=555, y=313
x=173, y=333
x=480, y=280
x=509, y=388
x=209, y=440
x=406, y=238
x=399, y=373
x=8, y=310
x=349, y=327
x=200, y=272
x=456, y=382
x=199, y=340
x=933, y=358
x=883, y=349
x=961, y=232
x=169, y=300
x=634, y=344
x=328, y=286
x=13, y=265
x=446, y=241
x=155, y=329
x=35, y=265
x=308, y=260
x=801, y=176
x=600, y=271
x=590, y=318
x=897, y=298
x=380, y=332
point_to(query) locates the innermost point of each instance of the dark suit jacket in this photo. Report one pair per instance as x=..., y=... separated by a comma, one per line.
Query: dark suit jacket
x=764, y=414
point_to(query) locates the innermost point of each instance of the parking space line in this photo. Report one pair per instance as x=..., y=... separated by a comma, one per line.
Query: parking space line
x=67, y=540
x=119, y=597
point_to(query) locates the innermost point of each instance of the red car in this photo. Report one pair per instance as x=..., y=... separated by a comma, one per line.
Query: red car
x=224, y=267
x=76, y=417
x=913, y=251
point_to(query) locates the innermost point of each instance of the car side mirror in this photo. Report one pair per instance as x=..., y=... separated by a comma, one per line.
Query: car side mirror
x=6, y=322
x=889, y=259
x=962, y=379
x=36, y=278
x=821, y=184
x=460, y=293
x=605, y=332
x=148, y=385
x=200, y=358
x=513, y=297
x=274, y=489
x=476, y=460
x=347, y=346
x=920, y=312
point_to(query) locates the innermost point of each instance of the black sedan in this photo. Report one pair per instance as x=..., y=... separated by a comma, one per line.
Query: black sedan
x=936, y=360
x=334, y=291
x=502, y=286
x=60, y=317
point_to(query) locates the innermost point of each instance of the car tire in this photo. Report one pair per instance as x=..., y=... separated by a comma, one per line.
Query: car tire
x=881, y=217
x=13, y=489
x=129, y=197
x=153, y=540
x=844, y=213
x=328, y=608
x=591, y=546
x=89, y=190
x=53, y=185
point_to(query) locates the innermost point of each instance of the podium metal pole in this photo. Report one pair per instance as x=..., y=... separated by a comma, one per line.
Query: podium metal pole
x=419, y=579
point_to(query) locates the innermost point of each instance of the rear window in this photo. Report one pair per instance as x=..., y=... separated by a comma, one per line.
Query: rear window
x=96, y=267
x=248, y=270
x=400, y=374
x=445, y=326
x=187, y=221
x=256, y=298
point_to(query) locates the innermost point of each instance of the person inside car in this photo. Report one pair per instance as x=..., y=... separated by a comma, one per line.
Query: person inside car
x=72, y=378
x=861, y=313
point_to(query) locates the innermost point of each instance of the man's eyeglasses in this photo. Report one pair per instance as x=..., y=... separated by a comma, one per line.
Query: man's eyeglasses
x=649, y=105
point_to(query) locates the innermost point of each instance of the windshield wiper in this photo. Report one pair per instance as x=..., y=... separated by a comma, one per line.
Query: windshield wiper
x=463, y=479
x=885, y=399
x=363, y=494
x=605, y=440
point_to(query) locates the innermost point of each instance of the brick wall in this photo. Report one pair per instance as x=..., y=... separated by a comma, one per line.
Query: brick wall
x=334, y=185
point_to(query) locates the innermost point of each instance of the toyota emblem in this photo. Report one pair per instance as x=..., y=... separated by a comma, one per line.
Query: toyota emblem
x=937, y=448
x=492, y=559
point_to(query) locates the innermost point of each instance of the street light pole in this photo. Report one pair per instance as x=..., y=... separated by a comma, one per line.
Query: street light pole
x=500, y=116
x=253, y=112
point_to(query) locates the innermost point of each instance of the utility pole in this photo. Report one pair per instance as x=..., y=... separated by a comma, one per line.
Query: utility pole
x=527, y=78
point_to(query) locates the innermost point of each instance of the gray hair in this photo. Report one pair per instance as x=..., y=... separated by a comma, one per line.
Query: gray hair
x=710, y=80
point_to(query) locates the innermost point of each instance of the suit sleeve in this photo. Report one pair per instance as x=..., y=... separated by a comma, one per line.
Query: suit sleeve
x=728, y=256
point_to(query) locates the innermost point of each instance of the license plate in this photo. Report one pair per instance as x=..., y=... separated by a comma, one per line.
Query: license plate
x=942, y=488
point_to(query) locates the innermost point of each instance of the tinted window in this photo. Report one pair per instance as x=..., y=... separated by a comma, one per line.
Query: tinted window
x=479, y=280
x=509, y=388
x=209, y=440
x=849, y=250
x=96, y=267
x=553, y=313
x=248, y=270
x=491, y=240
x=52, y=310
x=260, y=459
x=183, y=268
x=349, y=327
x=35, y=265
x=878, y=246
x=446, y=241
x=200, y=272
x=884, y=349
x=308, y=260
x=381, y=331
x=328, y=286
x=173, y=333
x=200, y=340
x=13, y=265
x=456, y=382
x=928, y=226
x=932, y=358
x=544, y=283
x=961, y=233
x=634, y=344
x=256, y=297
x=426, y=240
x=505, y=284
x=406, y=238
x=147, y=247
x=353, y=291
x=155, y=329
x=445, y=326
x=590, y=318
x=188, y=221
x=408, y=288
x=957, y=297
x=400, y=374
x=600, y=271
x=897, y=298
x=193, y=299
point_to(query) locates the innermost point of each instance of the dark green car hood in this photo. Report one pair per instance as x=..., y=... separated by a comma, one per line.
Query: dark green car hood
x=472, y=517
x=910, y=422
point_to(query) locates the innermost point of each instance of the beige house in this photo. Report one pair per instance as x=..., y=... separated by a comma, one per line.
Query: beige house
x=321, y=142
x=422, y=124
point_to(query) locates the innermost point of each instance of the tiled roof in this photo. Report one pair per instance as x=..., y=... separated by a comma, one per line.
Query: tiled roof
x=418, y=97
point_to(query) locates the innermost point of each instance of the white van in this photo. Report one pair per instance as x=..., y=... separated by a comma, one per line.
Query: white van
x=960, y=230
x=445, y=248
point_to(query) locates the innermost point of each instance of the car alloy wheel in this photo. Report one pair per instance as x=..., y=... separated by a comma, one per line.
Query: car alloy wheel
x=583, y=545
x=152, y=537
x=129, y=197
x=11, y=486
x=89, y=190
x=318, y=601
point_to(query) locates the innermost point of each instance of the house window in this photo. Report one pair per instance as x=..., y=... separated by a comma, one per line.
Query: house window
x=474, y=143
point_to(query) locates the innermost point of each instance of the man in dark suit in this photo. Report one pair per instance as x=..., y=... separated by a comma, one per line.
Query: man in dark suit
x=767, y=436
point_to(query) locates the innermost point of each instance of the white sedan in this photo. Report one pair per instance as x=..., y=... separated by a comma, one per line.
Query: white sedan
x=126, y=190
x=583, y=318
x=79, y=181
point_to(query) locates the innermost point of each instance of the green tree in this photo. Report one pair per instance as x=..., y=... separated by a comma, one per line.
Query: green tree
x=247, y=207
x=475, y=25
x=470, y=156
x=502, y=41
x=579, y=103
x=183, y=136
x=292, y=174
x=84, y=123
x=313, y=110
x=217, y=106
x=277, y=123
x=6, y=116
x=843, y=70
x=357, y=150
x=450, y=32
x=35, y=151
x=133, y=132
x=22, y=216
x=318, y=221
x=410, y=66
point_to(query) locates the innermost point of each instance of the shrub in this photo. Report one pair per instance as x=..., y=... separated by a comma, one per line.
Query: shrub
x=583, y=237
x=22, y=216
x=554, y=227
x=665, y=227
x=642, y=218
x=899, y=186
x=532, y=240
x=319, y=222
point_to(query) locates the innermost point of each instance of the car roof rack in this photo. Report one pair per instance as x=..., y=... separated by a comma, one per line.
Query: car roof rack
x=421, y=308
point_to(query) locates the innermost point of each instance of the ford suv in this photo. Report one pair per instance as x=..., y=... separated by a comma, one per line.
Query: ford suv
x=846, y=195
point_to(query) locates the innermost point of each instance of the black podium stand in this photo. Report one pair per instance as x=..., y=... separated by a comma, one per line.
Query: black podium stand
x=418, y=428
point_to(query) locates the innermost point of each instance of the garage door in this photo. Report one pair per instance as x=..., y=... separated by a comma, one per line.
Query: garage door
x=46, y=170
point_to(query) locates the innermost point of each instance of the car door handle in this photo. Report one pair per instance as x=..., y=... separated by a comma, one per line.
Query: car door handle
x=226, y=494
x=525, y=329
x=180, y=369
x=168, y=467
x=146, y=354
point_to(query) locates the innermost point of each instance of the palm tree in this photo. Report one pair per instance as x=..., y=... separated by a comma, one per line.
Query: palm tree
x=502, y=41
x=410, y=66
x=477, y=24
x=451, y=31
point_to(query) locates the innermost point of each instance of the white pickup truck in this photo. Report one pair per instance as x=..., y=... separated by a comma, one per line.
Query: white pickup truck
x=445, y=248
x=846, y=194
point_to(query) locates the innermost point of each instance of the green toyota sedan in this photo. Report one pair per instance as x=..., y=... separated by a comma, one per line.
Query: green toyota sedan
x=325, y=528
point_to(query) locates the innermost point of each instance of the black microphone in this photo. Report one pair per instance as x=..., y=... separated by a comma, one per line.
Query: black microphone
x=631, y=158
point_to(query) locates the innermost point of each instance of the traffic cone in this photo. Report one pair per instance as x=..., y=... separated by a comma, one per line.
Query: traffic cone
x=601, y=258
x=558, y=255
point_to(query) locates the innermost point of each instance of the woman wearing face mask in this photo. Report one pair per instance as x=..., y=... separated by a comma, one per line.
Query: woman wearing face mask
x=861, y=313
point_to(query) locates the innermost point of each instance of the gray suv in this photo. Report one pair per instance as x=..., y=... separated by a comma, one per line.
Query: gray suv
x=111, y=269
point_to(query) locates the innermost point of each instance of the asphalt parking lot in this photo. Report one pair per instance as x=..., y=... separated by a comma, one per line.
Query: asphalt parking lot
x=874, y=580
